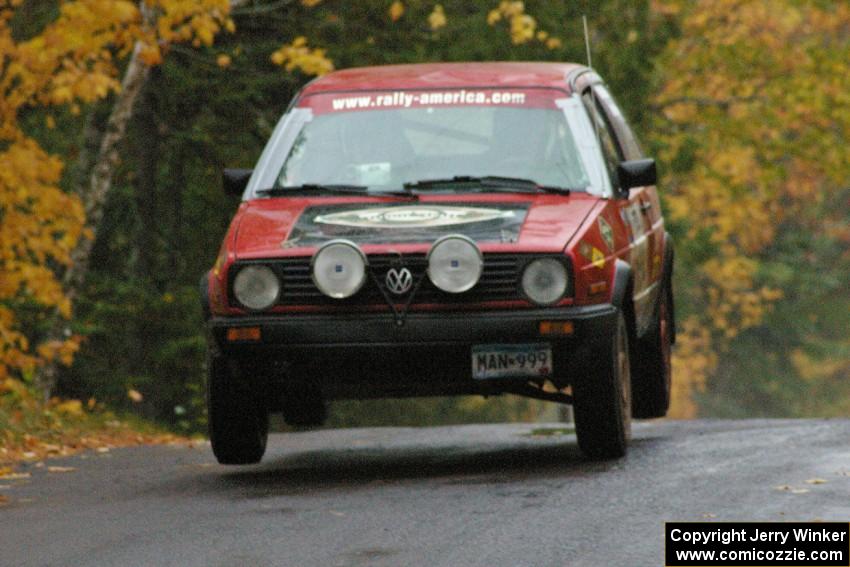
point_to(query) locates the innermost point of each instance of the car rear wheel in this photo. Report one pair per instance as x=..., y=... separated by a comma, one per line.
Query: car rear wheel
x=602, y=401
x=651, y=380
x=238, y=420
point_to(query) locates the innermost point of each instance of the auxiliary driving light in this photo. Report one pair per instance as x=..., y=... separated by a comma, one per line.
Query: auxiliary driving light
x=339, y=269
x=256, y=287
x=455, y=263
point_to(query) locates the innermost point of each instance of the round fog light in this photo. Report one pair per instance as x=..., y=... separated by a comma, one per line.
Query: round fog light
x=545, y=281
x=339, y=269
x=455, y=263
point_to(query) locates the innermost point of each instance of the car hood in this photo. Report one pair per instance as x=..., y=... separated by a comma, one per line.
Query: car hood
x=522, y=223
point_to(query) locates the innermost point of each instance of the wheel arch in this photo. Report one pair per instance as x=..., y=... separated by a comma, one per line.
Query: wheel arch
x=623, y=290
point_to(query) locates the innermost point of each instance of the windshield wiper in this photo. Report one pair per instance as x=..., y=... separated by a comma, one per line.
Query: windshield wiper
x=489, y=182
x=340, y=189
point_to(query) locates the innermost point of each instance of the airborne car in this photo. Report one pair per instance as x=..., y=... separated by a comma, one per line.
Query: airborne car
x=443, y=229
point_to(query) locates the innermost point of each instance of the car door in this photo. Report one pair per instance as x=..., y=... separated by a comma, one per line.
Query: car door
x=640, y=212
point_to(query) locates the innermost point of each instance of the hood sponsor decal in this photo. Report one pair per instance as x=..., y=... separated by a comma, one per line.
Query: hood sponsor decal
x=413, y=216
x=405, y=223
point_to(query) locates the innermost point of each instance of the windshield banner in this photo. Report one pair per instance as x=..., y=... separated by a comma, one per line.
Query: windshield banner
x=531, y=98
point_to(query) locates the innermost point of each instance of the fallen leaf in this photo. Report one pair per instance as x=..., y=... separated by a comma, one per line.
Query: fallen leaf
x=791, y=489
x=29, y=455
x=3, y=500
x=60, y=469
x=102, y=449
x=335, y=513
x=71, y=408
x=816, y=481
x=135, y=395
x=709, y=516
x=14, y=475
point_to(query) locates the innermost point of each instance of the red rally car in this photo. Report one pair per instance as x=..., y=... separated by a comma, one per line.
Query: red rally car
x=443, y=229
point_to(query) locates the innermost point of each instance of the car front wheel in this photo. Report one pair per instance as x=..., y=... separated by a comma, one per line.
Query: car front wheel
x=238, y=420
x=602, y=401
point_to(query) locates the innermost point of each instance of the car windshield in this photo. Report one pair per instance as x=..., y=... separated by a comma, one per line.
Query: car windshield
x=388, y=148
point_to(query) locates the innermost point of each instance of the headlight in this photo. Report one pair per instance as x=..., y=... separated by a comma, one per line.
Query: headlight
x=454, y=263
x=256, y=287
x=339, y=269
x=545, y=281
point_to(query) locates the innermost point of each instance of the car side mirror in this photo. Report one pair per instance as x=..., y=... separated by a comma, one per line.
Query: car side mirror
x=636, y=173
x=235, y=180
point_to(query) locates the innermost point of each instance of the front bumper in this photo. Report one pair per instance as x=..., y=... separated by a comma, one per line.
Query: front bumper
x=367, y=355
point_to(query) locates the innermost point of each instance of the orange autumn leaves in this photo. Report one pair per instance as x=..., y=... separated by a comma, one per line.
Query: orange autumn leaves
x=754, y=119
x=70, y=62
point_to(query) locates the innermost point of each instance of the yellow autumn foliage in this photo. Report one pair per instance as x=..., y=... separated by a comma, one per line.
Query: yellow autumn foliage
x=523, y=27
x=396, y=10
x=437, y=17
x=72, y=61
x=300, y=56
x=813, y=369
x=693, y=361
x=754, y=118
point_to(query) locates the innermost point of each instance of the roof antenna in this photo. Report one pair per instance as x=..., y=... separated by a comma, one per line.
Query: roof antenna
x=592, y=91
x=593, y=102
x=586, y=39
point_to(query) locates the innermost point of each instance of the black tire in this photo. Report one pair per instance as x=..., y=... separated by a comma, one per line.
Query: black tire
x=304, y=409
x=602, y=401
x=652, y=370
x=238, y=420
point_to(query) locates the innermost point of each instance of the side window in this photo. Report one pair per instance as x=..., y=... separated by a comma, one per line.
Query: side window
x=610, y=148
x=628, y=142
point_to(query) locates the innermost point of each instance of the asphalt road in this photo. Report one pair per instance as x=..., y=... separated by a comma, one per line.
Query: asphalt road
x=485, y=495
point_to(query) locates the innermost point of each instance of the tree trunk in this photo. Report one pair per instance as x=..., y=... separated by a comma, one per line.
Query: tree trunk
x=93, y=195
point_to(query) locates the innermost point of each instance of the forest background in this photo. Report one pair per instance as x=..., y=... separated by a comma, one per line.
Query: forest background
x=116, y=119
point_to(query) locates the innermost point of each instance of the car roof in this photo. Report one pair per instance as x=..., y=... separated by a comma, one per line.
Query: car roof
x=446, y=75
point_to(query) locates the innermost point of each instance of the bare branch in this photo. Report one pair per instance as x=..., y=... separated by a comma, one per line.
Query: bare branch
x=706, y=102
x=257, y=9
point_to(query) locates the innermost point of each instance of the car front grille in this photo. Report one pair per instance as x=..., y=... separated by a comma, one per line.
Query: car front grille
x=499, y=282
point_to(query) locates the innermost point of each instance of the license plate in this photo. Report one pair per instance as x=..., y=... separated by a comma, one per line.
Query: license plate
x=511, y=361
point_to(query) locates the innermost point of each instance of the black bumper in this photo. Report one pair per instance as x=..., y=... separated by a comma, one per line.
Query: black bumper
x=362, y=355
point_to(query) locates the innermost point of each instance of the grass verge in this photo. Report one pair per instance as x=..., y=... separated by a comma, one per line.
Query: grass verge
x=31, y=430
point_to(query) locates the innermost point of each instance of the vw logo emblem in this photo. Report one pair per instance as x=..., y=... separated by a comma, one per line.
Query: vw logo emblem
x=399, y=280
